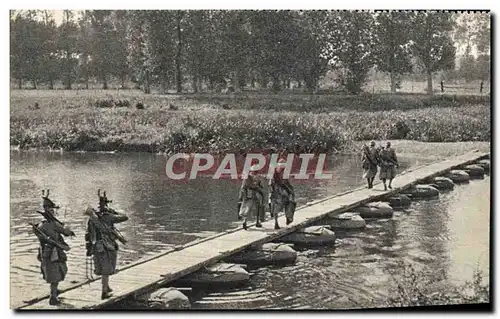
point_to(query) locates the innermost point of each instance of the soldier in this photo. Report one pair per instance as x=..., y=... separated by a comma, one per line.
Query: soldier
x=388, y=164
x=101, y=239
x=370, y=162
x=51, y=253
x=251, y=196
x=281, y=195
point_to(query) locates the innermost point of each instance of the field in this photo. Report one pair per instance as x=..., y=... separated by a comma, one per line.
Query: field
x=88, y=120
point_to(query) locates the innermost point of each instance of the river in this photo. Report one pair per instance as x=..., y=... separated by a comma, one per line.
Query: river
x=450, y=234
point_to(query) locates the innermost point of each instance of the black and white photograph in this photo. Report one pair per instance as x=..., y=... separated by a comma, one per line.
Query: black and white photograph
x=216, y=159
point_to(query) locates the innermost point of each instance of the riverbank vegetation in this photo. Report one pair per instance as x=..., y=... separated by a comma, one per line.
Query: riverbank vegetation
x=75, y=121
x=426, y=287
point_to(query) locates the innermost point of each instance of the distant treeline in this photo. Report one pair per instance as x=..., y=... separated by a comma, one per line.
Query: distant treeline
x=214, y=49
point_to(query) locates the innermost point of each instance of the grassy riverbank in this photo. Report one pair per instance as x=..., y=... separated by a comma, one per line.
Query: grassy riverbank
x=77, y=120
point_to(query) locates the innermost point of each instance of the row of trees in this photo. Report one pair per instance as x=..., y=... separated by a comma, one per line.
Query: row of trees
x=247, y=48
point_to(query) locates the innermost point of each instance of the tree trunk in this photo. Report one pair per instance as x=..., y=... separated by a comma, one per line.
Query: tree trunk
x=163, y=87
x=122, y=80
x=104, y=83
x=200, y=84
x=276, y=84
x=19, y=84
x=195, y=83
x=393, y=83
x=34, y=84
x=178, y=74
x=236, y=80
x=68, y=74
x=67, y=84
x=147, y=88
x=429, y=83
x=299, y=84
x=51, y=84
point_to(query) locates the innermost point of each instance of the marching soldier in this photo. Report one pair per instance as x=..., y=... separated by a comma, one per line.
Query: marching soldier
x=281, y=195
x=51, y=253
x=251, y=196
x=370, y=162
x=101, y=239
x=388, y=164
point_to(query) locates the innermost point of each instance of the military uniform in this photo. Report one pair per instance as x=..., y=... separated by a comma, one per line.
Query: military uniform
x=251, y=197
x=281, y=197
x=104, y=249
x=370, y=161
x=53, y=259
x=101, y=244
x=388, y=163
x=51, y=255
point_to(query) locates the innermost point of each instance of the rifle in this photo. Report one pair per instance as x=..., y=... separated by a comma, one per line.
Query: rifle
x=43, y=237
x=368, y=157
x=48, y=216
x=112, y=232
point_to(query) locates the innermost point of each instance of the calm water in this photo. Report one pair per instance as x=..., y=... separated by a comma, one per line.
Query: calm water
x=450, y=234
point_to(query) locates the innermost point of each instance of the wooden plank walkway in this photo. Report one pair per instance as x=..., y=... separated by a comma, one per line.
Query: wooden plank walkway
x=149, y=274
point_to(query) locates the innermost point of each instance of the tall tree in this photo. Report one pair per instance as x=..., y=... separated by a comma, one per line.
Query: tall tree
x=67, y=46
x=161, y=46
x=468, y=65
x=120, y=22
x=196, y=43
x=392, y=50
x=179, y=16
x=17, y=48
x=84, y=47
x=432, y=43
x=102, y=45
x=351, y=46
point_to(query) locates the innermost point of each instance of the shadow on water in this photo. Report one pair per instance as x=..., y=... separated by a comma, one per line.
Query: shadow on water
x=163, y=213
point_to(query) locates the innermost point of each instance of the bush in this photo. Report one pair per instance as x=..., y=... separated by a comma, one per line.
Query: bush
x=426, y=287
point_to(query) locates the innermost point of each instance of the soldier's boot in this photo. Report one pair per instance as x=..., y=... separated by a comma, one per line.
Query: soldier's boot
x=289, y=221
x=53, y=301
x=276, y=224
x=105, y=295
x=260, y=217
x=245, y=227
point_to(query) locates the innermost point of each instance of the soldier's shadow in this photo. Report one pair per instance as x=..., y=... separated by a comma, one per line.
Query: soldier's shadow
x=65, y=305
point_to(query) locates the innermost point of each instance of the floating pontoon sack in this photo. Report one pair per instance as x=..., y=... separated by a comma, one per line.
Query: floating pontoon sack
x=442, y=183
x=165, y=298
x=474, y=171
x=375, y=210
x=485, y=164
x=221, y=274
x=422, y=191
x=347, y=221
x=267, y=254
x=310, y=236
x=458, y=176
x=399, y=201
